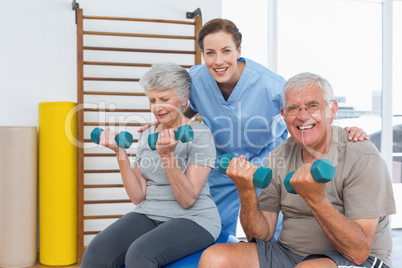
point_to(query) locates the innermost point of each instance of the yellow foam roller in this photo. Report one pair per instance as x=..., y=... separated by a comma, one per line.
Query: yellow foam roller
x=57, y=184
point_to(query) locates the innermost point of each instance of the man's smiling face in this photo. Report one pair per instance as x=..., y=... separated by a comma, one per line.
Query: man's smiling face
x=309, y=129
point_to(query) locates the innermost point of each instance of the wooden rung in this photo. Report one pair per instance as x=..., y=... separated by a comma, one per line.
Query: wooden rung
x=101, y=171
x=117, y=110
x=125, y=64
x=140, y=35
x=90, y=186
x=117, y=64
x=114, y=93
x=91, y=232
x=139, y=50
x=111, y=79
x=105, y=155
x=91, y=202
x=113, y=124
x=138, y=19
x=102, y=217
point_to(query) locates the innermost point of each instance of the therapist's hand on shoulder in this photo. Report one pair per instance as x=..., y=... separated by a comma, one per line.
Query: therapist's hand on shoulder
x=357, y=134
x=144, y=127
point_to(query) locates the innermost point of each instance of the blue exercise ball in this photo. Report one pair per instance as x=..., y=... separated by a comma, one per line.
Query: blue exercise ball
x=191, y=261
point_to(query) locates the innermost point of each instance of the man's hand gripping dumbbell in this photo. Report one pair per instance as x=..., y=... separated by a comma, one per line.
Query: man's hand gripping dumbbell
x=321, y=170
x=262, y=176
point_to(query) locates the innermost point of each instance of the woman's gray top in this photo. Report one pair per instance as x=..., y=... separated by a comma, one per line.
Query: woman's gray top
x=160, y=203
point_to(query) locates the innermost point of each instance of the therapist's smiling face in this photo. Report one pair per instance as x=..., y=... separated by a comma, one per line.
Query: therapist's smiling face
x=220, y=55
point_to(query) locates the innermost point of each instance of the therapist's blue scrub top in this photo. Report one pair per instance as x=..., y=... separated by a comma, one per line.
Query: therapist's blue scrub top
x=248, y=123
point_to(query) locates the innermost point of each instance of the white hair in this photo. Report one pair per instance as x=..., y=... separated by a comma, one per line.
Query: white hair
x=304, y=80
x=163, y=76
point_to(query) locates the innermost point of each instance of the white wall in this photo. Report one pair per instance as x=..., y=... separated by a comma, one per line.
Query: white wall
x=38, y=47
x=252, y=21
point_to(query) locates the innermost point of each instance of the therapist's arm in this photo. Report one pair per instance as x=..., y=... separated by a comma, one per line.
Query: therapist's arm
x=189, y=112
x=144, y=127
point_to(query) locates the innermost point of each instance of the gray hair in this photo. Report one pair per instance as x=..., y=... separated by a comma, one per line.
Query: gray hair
x=163, y=76
x=304, y=80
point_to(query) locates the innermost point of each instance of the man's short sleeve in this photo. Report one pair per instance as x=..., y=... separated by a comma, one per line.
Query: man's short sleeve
x=367, y=189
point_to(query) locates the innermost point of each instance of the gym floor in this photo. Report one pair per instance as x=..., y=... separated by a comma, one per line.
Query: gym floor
x=396, y=253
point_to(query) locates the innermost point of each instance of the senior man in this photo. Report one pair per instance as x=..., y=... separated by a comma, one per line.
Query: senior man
x=341, y=223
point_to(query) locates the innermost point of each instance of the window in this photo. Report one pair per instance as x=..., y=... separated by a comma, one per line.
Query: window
x=397, y=89
x=326, y=37
x=397, y=108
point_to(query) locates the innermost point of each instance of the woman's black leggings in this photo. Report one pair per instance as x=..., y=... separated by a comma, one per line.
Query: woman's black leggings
x=137, y=241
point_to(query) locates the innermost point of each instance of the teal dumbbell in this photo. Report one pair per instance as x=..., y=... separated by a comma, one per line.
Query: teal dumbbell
x=322, y=171
x=262, y=176
x=123, y=139
x=184, y=134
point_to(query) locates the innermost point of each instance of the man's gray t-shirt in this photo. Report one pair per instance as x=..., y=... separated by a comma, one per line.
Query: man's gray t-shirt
x=160, y=203
x=361, y=189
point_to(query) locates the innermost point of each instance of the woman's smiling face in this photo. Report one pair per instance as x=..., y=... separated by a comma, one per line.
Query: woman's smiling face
x=220, y=55
x=166, y=106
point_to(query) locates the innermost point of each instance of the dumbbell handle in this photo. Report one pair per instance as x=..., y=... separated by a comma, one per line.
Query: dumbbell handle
x=124, y=139
x=322, y=170
x=184, y=134
x=262, y=176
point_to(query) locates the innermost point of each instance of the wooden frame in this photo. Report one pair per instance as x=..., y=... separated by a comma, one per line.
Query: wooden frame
x=83, y=109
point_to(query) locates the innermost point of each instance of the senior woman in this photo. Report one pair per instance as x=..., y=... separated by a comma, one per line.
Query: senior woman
x=175, y=214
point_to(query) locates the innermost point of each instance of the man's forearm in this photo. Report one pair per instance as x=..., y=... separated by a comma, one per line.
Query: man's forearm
x=252, y=220
x=345, y=235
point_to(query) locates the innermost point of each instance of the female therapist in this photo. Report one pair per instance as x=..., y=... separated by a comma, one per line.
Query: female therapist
x=240, y=101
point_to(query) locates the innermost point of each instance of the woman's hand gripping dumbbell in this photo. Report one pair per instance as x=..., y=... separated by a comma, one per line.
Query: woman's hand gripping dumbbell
x=124, y=139
x=184, y=134
x=262, y=176
x=321, y=170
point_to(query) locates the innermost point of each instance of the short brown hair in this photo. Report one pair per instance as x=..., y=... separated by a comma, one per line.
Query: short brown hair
x=217, y=25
